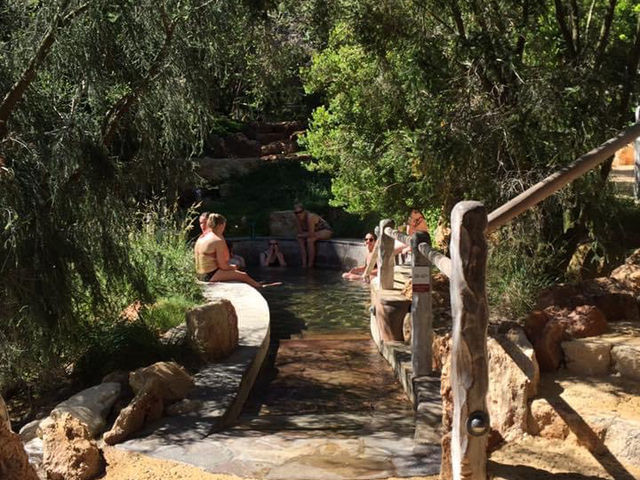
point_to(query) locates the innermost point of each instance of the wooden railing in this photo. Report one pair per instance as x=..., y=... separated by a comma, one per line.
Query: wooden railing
x=466, y=270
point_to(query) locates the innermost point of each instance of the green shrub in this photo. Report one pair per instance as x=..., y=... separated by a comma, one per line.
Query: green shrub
x=167, y=313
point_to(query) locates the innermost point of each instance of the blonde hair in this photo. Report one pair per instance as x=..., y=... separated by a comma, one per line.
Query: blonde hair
x=215, y=219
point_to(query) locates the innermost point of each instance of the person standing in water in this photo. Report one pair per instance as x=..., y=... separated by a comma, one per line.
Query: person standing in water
x=212, y=256
x=311, y=228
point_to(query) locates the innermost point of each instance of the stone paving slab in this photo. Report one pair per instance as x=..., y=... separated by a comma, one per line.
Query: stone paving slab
x=221, y=388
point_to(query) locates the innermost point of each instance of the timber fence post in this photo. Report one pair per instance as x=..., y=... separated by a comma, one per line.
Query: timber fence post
x=386, y=260
x=469, y=368
x=421, y=319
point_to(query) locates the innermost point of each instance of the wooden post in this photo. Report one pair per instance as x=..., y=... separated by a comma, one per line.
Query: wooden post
x=469, y=368
x=421, y=319
x=386, y=260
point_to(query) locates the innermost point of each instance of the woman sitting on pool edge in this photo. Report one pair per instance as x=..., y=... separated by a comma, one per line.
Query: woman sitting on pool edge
x=357, y=273
x=311, y=228
x=212, y=256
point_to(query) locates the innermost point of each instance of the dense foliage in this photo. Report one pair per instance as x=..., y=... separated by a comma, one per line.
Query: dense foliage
x=431, y=102
x=427, y=103
x=104, y=104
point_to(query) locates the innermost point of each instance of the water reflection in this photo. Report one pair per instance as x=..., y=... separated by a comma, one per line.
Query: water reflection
x=314, y=301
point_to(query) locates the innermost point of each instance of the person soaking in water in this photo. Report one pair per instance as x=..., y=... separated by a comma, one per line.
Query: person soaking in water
x=357, y=273
x=311, y=228
x=212, y=256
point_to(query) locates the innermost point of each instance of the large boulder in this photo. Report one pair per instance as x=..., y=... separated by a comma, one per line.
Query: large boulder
x=615, y=297
x=14, y=463
x=629, y=273
x=626, y=360
x=91, y=406
x=547, y=328
x=212, y=330
x=585, y=357
x=69, y=453
x=146, y=407
x=513, y=379
x=170, y=381
x=282, y=224
x=545, y=421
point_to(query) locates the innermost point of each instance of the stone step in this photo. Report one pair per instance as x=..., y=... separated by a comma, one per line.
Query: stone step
x=615, y=352
x=602, y=415
x=346, y=423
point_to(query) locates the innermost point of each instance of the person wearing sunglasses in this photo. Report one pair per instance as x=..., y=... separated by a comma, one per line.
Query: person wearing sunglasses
x=311, y=228
x=272, y=256
x=357, y=273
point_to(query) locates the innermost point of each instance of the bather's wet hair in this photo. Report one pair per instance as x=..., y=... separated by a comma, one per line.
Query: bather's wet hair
x=215, y=219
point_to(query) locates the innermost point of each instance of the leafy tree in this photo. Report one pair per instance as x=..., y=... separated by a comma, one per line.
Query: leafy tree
x=431, y=102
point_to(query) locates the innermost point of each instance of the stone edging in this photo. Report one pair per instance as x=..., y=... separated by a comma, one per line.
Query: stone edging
x=222, y=387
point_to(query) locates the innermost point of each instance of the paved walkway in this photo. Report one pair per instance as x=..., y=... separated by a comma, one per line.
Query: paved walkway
x=332, y=411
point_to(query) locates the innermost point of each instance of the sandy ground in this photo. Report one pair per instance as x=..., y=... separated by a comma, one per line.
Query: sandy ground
x=123, y=465
x=532, y=459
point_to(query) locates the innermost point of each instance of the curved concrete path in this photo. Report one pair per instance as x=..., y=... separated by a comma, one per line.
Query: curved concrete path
x=221, y=387
x=302, y=435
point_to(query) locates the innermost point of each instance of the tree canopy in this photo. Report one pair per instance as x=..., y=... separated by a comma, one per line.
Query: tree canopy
x=430, y=102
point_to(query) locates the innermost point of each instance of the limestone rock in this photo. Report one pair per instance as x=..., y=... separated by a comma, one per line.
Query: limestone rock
x=90, y=406
x=175, y=336
x=282, y=224
x=544, y=421
x=545, y=335
x=626, y=361
x=69, y=454
x=14, y=463
x=513, y=377
x=118, y=376
x=622, y=438
x=586, y=357
x=629, y=273
x=146, y=407
x=4, y=414
x=585, y=321
x=212, y=330
x=171, y=381
x=524, y=355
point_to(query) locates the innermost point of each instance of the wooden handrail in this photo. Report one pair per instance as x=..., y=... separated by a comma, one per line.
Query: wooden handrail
x=559, y=179
x=437, y=258
x=398, y=235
